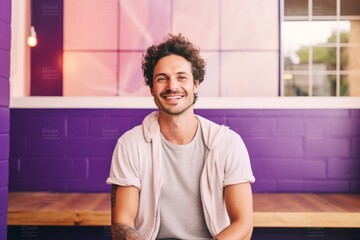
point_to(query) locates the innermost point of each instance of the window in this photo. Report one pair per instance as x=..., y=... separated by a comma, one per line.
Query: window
x=321, y=48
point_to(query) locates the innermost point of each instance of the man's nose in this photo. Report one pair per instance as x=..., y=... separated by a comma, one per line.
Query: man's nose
x=172, y=83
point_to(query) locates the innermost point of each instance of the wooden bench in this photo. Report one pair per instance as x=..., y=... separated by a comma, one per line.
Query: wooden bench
x=270, y=210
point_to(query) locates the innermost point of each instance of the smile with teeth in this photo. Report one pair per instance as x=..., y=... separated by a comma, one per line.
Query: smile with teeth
x=173, y=97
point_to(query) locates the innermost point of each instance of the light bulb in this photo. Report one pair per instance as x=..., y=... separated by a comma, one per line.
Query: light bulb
x=32, y=39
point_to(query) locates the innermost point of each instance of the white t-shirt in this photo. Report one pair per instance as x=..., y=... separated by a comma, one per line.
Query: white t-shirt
x=181, y=211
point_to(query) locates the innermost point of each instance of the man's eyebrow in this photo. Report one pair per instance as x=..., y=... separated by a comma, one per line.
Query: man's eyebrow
x=159, y=74
x=182, y=73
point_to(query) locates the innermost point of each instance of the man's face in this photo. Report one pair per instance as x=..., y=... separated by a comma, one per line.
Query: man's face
x=173, y=85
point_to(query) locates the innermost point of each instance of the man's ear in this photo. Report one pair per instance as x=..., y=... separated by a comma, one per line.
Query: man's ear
x=196, y=86
x=152, y=91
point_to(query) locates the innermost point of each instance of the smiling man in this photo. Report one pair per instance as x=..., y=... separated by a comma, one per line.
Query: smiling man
x=179, y=175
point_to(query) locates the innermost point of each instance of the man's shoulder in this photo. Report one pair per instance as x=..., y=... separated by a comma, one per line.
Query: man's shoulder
x=135, y=134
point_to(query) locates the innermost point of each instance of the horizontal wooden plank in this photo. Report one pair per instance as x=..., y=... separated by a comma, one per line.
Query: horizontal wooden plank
x=270, y=210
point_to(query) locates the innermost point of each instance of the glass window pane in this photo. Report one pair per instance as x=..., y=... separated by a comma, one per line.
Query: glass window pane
x=353, y=32
x=296, y=60
x=296, y=84
x=296, y=7
x=324, y=8
x=350, y=7
x=350, y=58
x=324, y=85
x=350, y=84
x=324, y=58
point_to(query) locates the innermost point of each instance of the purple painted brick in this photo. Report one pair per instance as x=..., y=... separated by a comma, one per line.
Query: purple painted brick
x=355, y=148
x=99, y=168
x=290, y=126
x=4, y=173
x=254, y=127
x=4, y=146
x=262, y=186
x=327, y=186
x=344, y=169
x=355, y=186
x=3, y=226
x=16, y=184
x=48, y=168
x=18, y=146
x=327, y=147
x=242, y=112
x=111, y=128
x=4, y=120
x=44, y=127
x=80, y=168
x=5, y=36
x=257, y=167
x=333, y=126
x=87, y=112
x=326, y=112
x=291, y=169
x=283, y=112
x=211, y=113
x=89, y=185
x=274, y=147
x=4, y=92
x=355, y=112
x=94, y=147
x=3, y=200
x=46, y=147
x=47, y=185
x=291, y=186
x=134, y=121
x=5, y=63
x=77, y=126
x=131, y=112
x=5, y=10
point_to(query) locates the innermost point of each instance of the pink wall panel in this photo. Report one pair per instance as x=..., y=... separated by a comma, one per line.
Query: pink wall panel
x=249, y=74
x=90, y=74
x=198, y=21
x=143, y=22
x=250, y=24
x=211, y=83
x=131, y=80
x=90, y=24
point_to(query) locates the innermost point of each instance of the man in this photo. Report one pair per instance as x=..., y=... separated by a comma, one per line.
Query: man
x=178, y=175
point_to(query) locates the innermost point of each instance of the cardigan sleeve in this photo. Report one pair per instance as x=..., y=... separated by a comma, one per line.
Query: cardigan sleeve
x=237, y=166
x=124, y=167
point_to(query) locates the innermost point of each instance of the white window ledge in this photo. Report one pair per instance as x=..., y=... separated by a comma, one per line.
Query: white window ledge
x=202, y=103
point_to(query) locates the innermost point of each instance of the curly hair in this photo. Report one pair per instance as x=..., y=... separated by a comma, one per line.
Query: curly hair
x=174, y=44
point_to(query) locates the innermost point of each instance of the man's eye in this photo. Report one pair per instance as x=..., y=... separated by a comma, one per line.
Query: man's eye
x=182, y=77
x=160, y=79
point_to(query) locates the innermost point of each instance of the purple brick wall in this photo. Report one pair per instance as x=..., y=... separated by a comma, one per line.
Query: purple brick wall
x=69, y=150
x=5, y=36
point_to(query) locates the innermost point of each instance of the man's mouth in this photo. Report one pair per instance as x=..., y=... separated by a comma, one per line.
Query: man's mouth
x=172, y=97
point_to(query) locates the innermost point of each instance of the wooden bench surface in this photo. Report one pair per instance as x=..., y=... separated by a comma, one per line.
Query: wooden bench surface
x=270, y=210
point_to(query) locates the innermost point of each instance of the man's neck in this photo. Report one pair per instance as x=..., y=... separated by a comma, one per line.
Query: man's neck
x=178, y=129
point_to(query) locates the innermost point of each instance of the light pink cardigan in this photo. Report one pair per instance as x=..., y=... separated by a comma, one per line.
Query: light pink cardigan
x=137, y=162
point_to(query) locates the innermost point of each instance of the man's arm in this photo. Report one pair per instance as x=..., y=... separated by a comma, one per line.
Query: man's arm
x=124, y=207
x=239, y=205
